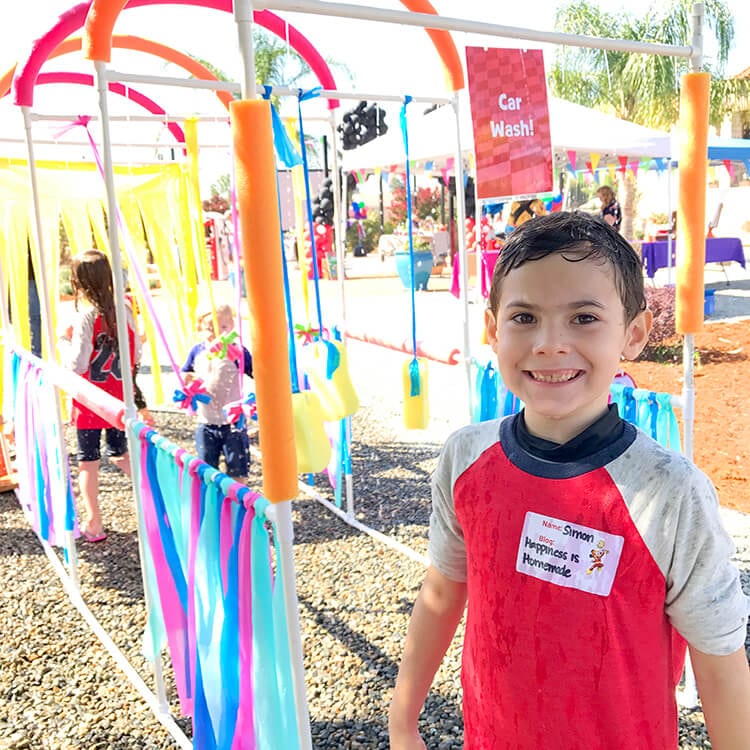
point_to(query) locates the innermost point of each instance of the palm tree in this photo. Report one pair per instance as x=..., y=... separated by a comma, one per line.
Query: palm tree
x=640, y=88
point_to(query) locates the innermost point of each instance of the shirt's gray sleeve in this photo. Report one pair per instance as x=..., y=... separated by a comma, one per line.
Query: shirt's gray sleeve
x=446, y=548
x=78, y=354
x=704, y=599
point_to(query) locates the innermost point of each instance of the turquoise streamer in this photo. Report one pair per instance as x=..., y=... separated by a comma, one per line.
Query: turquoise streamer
x=154, y=634
x=667, y=428
x=643, y=410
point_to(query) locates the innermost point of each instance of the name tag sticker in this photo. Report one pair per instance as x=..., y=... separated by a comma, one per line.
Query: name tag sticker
x=568, y=554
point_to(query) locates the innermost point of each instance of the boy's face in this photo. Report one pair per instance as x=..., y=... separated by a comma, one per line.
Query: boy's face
x=559, y=333
x=206, y=326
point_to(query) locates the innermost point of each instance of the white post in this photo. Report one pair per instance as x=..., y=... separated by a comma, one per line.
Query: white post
x=462, y=256
x=126, y=365
x=281, y=513
x=48, y=336
x=689, y=697
x=243, y=13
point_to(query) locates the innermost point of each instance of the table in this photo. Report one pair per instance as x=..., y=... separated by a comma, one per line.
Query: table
x=718, y=250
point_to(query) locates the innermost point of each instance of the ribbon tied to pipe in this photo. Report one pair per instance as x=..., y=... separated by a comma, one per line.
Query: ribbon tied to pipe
x=225, y=348
x=238, y=412
x=309, y=334
x=193, y=394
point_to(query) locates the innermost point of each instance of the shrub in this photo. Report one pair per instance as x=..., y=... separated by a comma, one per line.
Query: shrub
x=660, y=346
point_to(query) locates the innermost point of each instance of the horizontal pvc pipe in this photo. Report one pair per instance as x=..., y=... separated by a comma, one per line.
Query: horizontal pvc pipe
x=429, y=21
x=450, y=357
x=100, y=402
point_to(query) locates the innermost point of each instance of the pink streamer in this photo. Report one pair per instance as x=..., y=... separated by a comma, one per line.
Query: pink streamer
x=174, y=616
x=244, y=735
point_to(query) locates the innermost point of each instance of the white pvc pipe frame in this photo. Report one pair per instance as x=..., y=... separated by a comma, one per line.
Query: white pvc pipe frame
x=243, y=17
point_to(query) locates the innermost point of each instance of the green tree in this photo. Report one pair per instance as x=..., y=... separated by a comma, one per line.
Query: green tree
x=641, y=88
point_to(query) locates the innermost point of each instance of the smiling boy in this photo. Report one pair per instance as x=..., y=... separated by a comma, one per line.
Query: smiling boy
x=588, y=555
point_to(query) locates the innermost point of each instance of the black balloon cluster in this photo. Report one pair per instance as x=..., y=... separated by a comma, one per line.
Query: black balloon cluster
x=361, y=125
x=322, y=204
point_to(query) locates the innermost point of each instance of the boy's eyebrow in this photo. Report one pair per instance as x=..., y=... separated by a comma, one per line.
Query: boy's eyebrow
x=575, y=305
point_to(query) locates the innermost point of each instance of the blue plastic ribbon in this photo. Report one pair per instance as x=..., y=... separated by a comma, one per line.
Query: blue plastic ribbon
x=333, y=358
x=488, y=393
x=180, y=396
x=282, y=143
x=302, y=96
x=405, y=137
x=414, y=379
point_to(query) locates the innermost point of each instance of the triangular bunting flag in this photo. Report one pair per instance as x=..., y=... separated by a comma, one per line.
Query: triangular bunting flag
x=595, y=162
x=634, y=168
x=623, y=164
x=660, y=164
x=730, y=168
x=611, y=169
x=572, y=159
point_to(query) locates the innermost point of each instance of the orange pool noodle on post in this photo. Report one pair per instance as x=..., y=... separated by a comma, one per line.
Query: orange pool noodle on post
x=691, y=202
x=416, y=407
x=255, y=171
x=338, y=399
x=313, y=446
x=100, y=21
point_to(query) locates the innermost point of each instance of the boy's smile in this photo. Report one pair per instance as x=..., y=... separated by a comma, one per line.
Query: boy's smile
x=559, y=333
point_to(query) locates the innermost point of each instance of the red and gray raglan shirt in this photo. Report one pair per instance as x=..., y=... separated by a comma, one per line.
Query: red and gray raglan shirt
x=93, y=354
x=585, y=578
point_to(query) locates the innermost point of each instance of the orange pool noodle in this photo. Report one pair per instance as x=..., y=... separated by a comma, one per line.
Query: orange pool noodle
x=691, y=202
x=100, y=21
x=255, y=170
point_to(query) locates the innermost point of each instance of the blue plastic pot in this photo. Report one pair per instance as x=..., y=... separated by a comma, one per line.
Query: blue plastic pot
x=422, y=268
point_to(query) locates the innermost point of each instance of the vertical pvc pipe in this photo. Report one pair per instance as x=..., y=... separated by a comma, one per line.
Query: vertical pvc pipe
x=694, y=101
x=260, y=226
x=339, y=222
x=126, y=365
x=43, y=289
x=462, y=255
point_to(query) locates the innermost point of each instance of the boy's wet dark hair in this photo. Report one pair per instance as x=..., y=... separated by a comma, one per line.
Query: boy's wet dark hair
x=576, y=236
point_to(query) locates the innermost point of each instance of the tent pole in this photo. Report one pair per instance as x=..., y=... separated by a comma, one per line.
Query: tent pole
x=463, y=258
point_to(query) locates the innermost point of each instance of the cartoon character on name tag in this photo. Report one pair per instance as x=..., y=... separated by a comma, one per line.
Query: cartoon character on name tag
x=597, y=557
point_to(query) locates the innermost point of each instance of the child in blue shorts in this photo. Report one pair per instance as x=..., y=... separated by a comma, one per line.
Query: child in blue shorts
x=219, y=372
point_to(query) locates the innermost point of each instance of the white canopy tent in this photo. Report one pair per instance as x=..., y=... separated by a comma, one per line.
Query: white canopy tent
x=432, y=136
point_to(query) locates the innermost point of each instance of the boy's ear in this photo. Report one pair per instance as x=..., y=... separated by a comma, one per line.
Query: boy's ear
x=490, y=328
x=637, y=333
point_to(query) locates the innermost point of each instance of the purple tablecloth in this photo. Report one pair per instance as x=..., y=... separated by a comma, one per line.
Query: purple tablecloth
x=718, y=250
